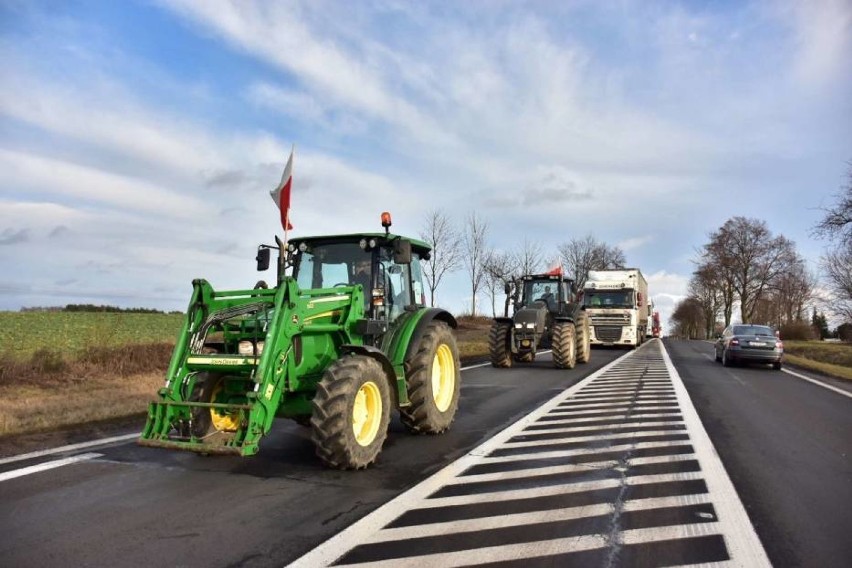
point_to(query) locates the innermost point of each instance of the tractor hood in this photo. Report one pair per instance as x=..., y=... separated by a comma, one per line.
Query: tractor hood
x=531, y=319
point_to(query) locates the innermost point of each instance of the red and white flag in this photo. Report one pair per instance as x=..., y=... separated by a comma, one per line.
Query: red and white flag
x=281, y=194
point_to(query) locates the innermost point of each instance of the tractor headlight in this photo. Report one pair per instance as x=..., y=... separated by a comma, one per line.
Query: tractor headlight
x=530, y=325
x=303, y=247
x=518, y=325
x=291, y=247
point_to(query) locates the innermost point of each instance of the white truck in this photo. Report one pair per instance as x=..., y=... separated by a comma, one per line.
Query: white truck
x=616, y=302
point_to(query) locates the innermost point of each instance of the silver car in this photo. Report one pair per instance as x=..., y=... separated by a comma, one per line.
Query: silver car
x=746, y=343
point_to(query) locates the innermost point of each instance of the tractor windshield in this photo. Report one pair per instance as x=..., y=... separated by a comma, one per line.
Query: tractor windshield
x=333, y=264
x=541, y=290
x=608, y=299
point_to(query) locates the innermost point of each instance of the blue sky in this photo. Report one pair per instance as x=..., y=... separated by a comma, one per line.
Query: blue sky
x=139, y=140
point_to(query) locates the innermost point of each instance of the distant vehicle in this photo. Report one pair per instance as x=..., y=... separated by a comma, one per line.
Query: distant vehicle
x=745, y=343
x=656, y=328
x=617, y=304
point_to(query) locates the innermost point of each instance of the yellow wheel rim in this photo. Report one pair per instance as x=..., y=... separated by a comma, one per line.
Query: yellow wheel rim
x=229, y=422
x=367, y=413
x=443, y=377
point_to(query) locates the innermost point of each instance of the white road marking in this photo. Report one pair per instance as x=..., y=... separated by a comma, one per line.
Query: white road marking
x=69, y=448
x=448, y=502
x=739, y=533
x=818, y=383
x=45, y=466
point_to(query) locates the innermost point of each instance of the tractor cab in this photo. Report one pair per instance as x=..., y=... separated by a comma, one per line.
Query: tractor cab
x=550, y=290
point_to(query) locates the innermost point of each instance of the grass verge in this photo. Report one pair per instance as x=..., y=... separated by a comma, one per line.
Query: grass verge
x=833, y=359
x=50, y=389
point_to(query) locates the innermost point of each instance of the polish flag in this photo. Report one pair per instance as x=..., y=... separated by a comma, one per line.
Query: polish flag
x=555, y=270
x=281, y=194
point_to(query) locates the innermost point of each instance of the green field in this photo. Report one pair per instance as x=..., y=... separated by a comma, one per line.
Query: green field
x=22, y=333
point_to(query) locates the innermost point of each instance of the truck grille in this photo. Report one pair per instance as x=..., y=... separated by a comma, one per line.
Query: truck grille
x=610, y=319
x=608, y=333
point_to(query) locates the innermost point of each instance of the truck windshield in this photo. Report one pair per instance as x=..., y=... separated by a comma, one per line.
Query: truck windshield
x=608, y=299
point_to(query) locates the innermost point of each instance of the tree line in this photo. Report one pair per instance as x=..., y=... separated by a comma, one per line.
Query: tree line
x=489, y=269
x=92, y=308
x=745, y=265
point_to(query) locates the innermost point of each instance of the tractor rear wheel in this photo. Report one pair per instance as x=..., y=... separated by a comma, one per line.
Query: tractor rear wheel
x=584, y=338
x=498, y=344
x=351, y=412
x=208, y=423
x=564, y=345
x=433, y=381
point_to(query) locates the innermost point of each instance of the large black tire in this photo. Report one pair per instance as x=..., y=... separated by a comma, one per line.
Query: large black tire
x=351, y=412
x=584, y=338
x=726, y=361
x=498, y=344
x=211, y=424
x=564, y=345
x=433, y=381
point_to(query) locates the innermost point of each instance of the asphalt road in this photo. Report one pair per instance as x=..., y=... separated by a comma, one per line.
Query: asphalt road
x=787, y=446
x=136, y=506
x=784, y=442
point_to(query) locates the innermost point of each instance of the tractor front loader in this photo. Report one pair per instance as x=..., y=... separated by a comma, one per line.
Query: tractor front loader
x=334, y=346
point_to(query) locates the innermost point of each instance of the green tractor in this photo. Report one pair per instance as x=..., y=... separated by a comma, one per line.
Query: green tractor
x=333, y=347
x=547, y=314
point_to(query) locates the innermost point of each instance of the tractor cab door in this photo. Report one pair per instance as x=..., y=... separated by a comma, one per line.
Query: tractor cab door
x=403, y=285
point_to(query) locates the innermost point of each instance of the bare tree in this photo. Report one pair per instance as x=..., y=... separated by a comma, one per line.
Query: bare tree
x=501, y=269
x=688, y=319
x=836, y=263
x=791, y=291
x=529, y=257
x=755, y=258
x=837, y=223
x=585, y=254
x=440, y=232
x=705, y=289
x=475, y=253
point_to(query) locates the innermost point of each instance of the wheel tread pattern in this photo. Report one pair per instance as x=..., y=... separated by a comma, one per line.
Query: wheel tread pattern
x=498, y=345
x=422, y=416
x=331, y=417
x=564, y=345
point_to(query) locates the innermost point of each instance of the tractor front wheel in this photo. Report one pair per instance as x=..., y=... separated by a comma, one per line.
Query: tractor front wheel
x=351, y=412
x=208, y=422
x=433, y=381
x=564, y=345
x=498, y=344
x=584, y=338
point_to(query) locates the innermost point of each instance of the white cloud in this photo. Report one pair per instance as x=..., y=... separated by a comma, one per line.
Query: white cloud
x=634, y=242
x=824, y=34
x=68, y=182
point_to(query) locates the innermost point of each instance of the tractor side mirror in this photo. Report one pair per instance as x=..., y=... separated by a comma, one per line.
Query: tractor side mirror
x=402, y=251
x=262, y=259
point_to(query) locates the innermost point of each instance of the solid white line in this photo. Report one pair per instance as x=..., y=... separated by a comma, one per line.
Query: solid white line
x=818, y=383
x=740, y=537
x=69, y=448
x=45, y=466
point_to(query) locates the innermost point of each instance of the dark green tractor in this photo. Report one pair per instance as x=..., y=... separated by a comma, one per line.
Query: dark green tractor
x=334, y=346
x=547, y=315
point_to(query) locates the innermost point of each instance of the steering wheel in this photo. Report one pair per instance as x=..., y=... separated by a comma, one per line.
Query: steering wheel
x=261, y=284
x=341, y=284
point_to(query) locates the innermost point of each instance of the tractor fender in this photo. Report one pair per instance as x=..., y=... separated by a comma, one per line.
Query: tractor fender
x=421, y=325
x=504, y=320
x=378, y=355
x=569, y=319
